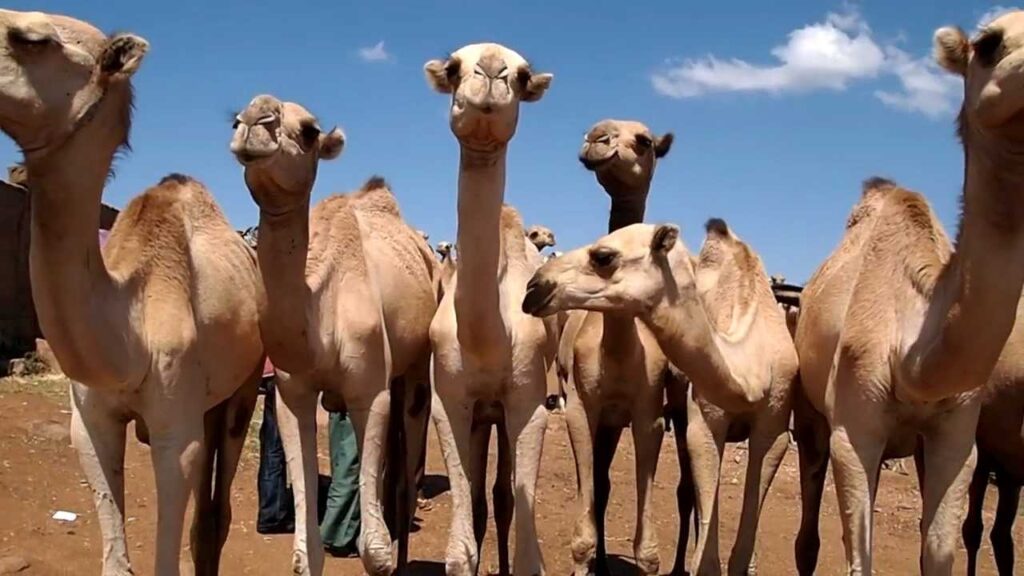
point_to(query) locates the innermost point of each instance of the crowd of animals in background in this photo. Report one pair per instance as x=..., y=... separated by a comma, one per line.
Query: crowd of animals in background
x=903, y=343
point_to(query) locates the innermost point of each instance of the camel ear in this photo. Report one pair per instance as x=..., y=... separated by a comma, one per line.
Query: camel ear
x=952, y=49
x=442, y=74
x=331, y=144
x=533, y=85
x=123, y=55
x=665, y=237
x=663, y=144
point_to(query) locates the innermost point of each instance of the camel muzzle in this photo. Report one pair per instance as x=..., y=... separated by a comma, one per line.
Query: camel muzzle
x=539, y=294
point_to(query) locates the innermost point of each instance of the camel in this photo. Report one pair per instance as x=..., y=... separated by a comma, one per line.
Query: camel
x=490, y=359
x=715, y=318
x=899, y=328
x=445, y=252
x=351, y=289
x=540, y=236
x=1000, y=446
x=161, y=325
x=615, y=372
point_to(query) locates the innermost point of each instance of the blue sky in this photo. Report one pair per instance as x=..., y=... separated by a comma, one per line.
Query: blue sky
x=780, y=109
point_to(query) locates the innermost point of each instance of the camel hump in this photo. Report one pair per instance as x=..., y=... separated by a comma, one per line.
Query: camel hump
x=878, y=183
x=375, y=195
x=717, y=227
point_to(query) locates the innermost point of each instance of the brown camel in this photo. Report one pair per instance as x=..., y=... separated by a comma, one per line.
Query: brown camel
x=351, y=290
x=897, y=329
x=616, y=372
x=161, y=325
x=490, y=359
x=716, y=319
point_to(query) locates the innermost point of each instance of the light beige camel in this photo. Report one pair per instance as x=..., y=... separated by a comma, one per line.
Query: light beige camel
x=715, y=319
x=540, y=236
x=445, y=251
x=351, y=290
x=896, y=329
x=615, y=370
x=490, y=359
x=161, y=326
x=1000, y=446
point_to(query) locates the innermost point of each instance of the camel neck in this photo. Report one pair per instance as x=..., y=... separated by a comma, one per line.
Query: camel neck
x=973, y=306
x=282, y=251
x=81, y=308
x=629, y=202
x=477, y=301
x=684, y=331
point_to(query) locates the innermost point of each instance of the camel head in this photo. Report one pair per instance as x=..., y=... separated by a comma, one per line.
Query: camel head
x=992, y=65
x=55, y=72
x=623, y=151
x=540, y=236
x=626, y=271
x=486, y=82
x=444, y=250
x=280, y=145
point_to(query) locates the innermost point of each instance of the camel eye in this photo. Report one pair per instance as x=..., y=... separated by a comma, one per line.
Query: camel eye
x=310, y=132
x=987, y=48
x=27, y=39
x=643, y=142
x=603, y=257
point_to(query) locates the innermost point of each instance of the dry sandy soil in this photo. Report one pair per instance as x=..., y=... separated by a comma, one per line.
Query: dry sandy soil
x=39, y=474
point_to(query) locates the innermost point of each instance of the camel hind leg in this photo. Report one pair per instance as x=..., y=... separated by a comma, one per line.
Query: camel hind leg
x=98, y=436
x=606, y=442
x=769, y=439
x=582, y=429
x=1002, y=528
x=705, y=442
x=504, y=499
x=676, y=392
x=974, y=523
x=648, y=432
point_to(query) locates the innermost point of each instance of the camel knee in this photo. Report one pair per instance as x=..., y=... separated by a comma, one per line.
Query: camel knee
x=972, y=531
x=583, y=546
x=461, y=559
x=808, y=544
x=1001, y=538
x=647, y=560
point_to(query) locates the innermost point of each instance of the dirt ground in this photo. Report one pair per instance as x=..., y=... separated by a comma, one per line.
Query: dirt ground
x=39, y=474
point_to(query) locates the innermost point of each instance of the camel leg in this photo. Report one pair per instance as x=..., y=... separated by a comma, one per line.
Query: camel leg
x=453, y=418
x=370, y=422
x=705, y=441
x=974, y=523
x=480, y=443
x=296, y=419
x=812, y=437
x=648, y=432
x=230, y=425
x=606, y=442
x=581, y=436
x=857, y=457
x=504, y=499
x=98, y=436
x=676, y=392
x=949, y=461
x=1002, y=529
x=769, y=440
x=177, y=447
x=527, y=422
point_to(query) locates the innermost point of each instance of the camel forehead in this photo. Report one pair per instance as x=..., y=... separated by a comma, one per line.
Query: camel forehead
x=474, y=53
x=636, y=237
x=622, y=127
x=297, y=111
x=72, y=31
x=1011, y=24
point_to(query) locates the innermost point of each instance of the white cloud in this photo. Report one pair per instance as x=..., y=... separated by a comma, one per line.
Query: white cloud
x=828, y=55
x=925, y=88
x=993, y=13
x=375, y=53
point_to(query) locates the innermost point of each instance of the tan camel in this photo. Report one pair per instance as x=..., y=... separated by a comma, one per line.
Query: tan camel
x=490, y=359
x=161, y=326
x=540, y=236
x=615, y=370
x=351, y=289
x=716, y=319
x=1000, y=446
x=896, y=329
x=445, y=251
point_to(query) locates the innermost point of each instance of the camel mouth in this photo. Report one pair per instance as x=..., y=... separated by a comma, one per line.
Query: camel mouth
x=249, y=158
x=592, y=164
x=539, y=296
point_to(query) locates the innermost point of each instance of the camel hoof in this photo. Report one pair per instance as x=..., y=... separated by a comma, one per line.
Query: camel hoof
x=300, y=564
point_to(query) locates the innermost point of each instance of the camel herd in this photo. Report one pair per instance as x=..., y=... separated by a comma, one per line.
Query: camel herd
x=904, y=337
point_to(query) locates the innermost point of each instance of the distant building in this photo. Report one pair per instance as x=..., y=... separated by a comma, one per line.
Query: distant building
x=18, y=325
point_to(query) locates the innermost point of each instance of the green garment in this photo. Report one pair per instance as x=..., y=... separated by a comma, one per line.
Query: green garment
x=340, y=525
